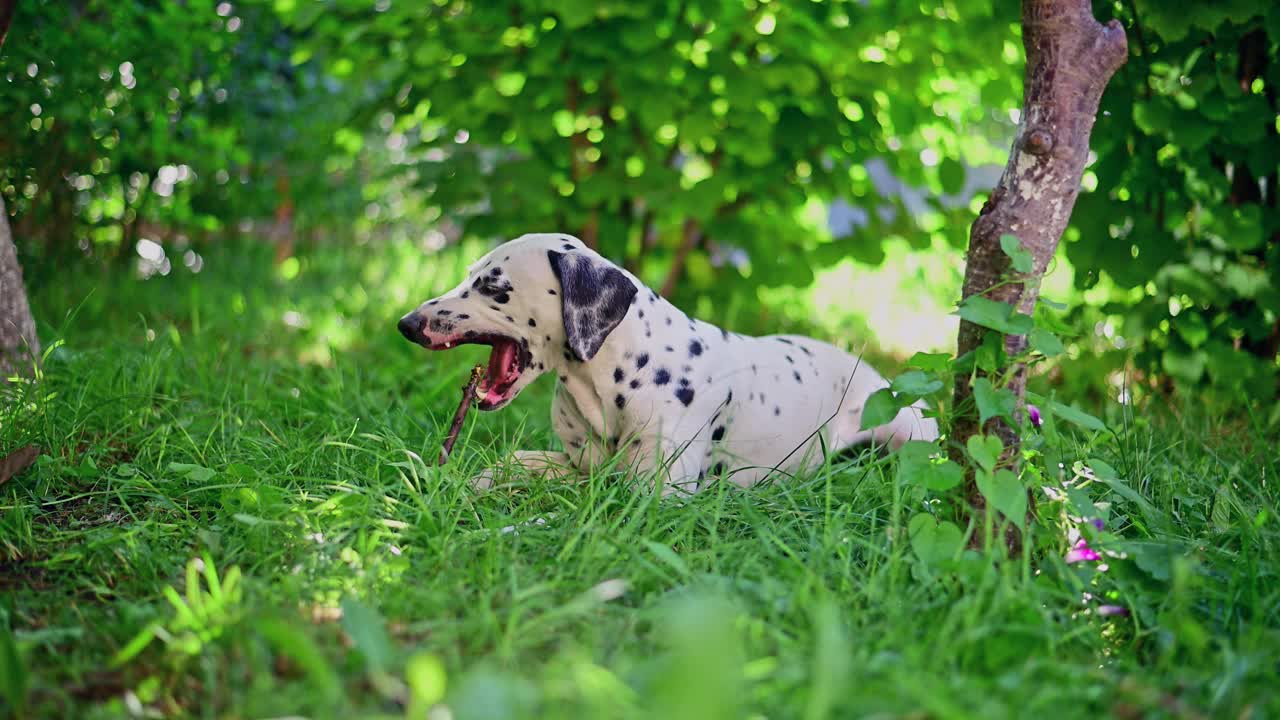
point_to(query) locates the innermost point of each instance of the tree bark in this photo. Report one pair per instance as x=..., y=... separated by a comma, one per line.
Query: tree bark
x=1070, y=59
x=19, y=346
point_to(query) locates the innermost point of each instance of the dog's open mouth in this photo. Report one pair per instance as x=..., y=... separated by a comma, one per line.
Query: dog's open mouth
x=504, y=368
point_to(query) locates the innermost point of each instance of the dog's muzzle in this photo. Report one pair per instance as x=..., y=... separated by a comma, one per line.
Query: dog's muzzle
x=410, y=326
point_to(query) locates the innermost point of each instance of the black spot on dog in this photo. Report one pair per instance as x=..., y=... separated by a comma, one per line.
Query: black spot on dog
x=718, y=434
x=729, y=399
x=466, y=294
x=668, y=321
x=496, y=272
x=532, y=323
x=617, y=375
x=510, y=319
x=751, y=396
x=695, y=348
x=753, y=370
x=805, y=350
x=619, y=400
x=724, y=334
x=790, y=360
x=717, y=469
x=668, y=348
x=548, y=338
x=642, y=360
x=796, y=373
x=564, y=378
x=567, y=246
x=685, y=395
x=683, y=382
x=432, y=302
x=635, y=384
x=661, y=377
x=777, y=410
x=640, y=314
x=653, y=297
x=464, y=316
x=470, y=333
x=446, y=312
x=502, y=298
x=784, y=341
x=550, y=291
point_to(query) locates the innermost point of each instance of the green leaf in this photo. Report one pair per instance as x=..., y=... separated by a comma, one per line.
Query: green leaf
x=1005, y=493
x=368, y=633
x=426, y=678
x=509, y=84
x=999, y=316
x=934, y=542
x=917, y=466
x=881, y=407
x=951, y=173
x=993, y=401
x=916, y=383
x=1045, y=342
x=985, y=450
x=1019, y=257
x=1068, y=413
x=930, y=362
x=194, y=473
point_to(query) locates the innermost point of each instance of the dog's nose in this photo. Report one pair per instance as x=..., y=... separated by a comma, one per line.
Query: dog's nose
x=411, y=326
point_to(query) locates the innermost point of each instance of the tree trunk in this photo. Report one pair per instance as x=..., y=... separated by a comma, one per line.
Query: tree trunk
x=1070, y=60
x=19, y=346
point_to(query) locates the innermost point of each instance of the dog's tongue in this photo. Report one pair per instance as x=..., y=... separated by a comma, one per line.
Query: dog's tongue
x=502, y=370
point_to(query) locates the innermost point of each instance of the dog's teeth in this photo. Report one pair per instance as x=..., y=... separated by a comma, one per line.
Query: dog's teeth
x=448, y=345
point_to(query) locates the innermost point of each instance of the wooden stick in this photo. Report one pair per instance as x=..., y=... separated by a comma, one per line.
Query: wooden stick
x=468, y=397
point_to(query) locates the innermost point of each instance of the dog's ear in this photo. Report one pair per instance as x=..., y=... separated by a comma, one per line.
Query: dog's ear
x=594, y=297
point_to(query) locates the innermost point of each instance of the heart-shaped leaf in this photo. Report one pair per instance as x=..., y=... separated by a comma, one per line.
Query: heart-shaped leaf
x=1000, y=316
x=914, y=382
x=993, y=401
x=934, y=542
x=918, y=466
x=1019, y=257
x=985, y=450
x=1005, y=493
x=881, y=407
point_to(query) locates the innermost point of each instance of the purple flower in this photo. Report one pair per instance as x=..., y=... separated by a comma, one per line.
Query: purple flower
x=1113, y=610
x=1033, y=412
x=1081, y=553
x=1097, y=523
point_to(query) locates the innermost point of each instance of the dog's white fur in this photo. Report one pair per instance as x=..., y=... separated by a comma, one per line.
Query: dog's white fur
x=681, y=399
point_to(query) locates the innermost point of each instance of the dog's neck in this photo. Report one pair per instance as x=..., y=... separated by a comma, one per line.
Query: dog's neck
x=592, y=383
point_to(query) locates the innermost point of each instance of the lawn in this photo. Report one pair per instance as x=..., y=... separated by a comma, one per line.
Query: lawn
x=237, y=515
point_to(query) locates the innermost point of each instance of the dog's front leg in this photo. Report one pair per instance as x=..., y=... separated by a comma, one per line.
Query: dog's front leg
x=548, y=463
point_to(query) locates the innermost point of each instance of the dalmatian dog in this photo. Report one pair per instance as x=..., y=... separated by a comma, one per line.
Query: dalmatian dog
x=683, y=401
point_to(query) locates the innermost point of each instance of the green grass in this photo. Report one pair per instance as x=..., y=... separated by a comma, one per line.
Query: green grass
x=183, y=419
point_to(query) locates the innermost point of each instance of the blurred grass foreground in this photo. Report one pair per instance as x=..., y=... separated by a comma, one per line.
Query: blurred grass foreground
x=222, y=208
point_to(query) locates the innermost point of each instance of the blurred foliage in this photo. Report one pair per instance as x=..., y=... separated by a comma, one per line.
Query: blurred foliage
x=744, y=148
x=688, y=135
x=184, y=117
x=1181, y=237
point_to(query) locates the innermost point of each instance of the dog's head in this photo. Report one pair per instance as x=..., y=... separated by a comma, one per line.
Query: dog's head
x=539, y=301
